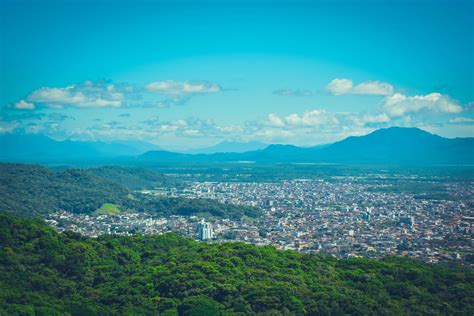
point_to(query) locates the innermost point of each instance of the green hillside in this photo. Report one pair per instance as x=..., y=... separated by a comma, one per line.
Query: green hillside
x=187, y=207
x=135, y=178
x=46, y=273
x=32, y=190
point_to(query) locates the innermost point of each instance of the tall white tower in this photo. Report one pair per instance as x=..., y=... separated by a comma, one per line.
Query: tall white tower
x=205, y=231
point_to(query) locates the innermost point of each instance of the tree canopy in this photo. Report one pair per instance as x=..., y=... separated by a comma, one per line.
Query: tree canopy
x=43, y=272
x=32, y=190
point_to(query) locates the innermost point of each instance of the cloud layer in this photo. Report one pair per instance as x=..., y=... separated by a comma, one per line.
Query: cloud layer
x=293, y=92
x=318, y=124
x=346, y=86
x=170, y=87
x=85, y=95
x=103, y=94
x=399, y=104
x=461, y=120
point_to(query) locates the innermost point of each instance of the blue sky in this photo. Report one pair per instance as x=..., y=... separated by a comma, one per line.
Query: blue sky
x=188, y=74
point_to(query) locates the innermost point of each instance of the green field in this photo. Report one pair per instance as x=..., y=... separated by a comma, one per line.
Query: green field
x=108, y=209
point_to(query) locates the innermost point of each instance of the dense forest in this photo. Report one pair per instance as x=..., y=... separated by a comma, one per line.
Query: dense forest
x=43, y=272
x=135, y=178
x=187, y=207
x=31, y=190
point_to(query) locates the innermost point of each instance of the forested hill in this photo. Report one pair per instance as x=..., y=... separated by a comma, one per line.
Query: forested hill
x=46, y=273
x=31, y=190
x=135, y=178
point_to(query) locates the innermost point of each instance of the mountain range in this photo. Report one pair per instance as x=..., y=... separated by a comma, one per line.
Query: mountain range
x=228, y=147
x=394, y=145
x=40, y=148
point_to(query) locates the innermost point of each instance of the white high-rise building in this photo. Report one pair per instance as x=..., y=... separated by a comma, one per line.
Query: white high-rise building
x=205, y=231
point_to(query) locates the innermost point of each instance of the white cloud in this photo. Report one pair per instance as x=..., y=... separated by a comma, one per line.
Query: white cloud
x=315, y=126
x=192, y=133
x=380, y=118
x=274, y=120
x=273, y=134
x=399, y=104
x=312, y=118
x=7, y=127
x=170, y=87
x=102, y=94
x=230, y=129
x=190, y=127
x=23, y=105
x=461, y=120
x=84, y=95
x=307, y=119
x=346, y=86
x=339, y=86
x=294, y=93
x=373, y=88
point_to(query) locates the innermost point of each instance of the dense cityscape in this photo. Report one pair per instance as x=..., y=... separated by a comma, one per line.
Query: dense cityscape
x=260, y=158
x=343, y=216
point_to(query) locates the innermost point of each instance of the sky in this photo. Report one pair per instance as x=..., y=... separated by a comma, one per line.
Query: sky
x=189, y=74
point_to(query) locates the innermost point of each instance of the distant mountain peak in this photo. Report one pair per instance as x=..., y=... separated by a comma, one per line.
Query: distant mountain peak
x=393, y=135
x=229, y=147
x=41, y=148
x=274, y=147
x=401, y=130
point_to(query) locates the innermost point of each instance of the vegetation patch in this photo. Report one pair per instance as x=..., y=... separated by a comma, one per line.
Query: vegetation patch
x=108, y=209
x=43, y=272
x=31, y=191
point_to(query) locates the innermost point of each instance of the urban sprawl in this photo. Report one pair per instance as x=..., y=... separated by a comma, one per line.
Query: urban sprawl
x=344, y=217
